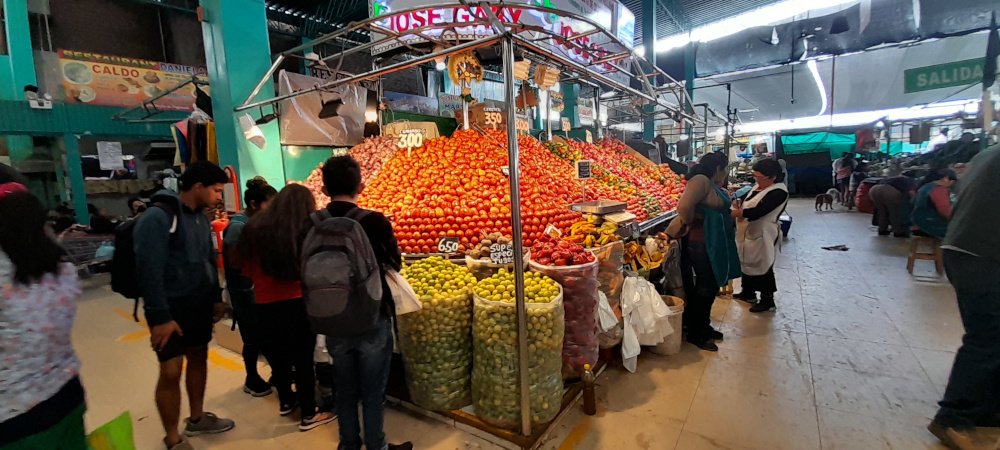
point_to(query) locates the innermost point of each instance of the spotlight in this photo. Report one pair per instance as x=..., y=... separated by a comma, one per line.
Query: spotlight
x=268, y=118
x=440, y=66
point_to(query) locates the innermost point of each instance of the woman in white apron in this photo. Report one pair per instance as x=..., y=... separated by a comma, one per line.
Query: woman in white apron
x=757, y=234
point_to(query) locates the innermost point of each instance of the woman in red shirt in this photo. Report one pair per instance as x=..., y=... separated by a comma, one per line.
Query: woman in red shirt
x=268, y=251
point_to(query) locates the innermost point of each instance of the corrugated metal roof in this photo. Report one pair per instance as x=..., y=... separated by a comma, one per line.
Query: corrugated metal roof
x=690, y=13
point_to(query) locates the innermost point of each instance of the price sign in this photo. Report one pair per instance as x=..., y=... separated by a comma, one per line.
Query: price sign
x=522, y=125
x=410, y=138
x=584, y=169
x=565, y=125
x=502, y=253
x=493, y=117
x=590, y=137
x=505, y=170
x=448, y=245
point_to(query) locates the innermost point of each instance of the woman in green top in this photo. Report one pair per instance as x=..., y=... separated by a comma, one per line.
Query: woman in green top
x=709, y=258
x=932, y=204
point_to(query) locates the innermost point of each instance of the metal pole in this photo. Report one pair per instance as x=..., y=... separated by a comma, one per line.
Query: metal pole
x=597, y=112
x=548, y=113
x=515, y=225
x=729, y=106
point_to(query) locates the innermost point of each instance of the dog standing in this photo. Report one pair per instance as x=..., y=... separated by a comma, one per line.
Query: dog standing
x=825, y=200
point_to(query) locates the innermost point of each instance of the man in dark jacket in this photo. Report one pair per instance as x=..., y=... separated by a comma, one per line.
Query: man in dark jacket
x=361, y=363
x=177, y=272
x=972, y=261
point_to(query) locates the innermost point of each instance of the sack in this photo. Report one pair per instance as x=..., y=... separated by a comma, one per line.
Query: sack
x=403, y=296
x=124, y=279
x=114, y=435
x=341, y=280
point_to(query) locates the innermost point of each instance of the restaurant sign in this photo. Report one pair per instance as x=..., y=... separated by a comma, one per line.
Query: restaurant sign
x=97, y=79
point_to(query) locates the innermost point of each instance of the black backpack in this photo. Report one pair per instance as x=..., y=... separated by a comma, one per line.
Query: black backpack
x=124, y=279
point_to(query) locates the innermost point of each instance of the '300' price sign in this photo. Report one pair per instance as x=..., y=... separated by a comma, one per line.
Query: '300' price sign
x=410, y=139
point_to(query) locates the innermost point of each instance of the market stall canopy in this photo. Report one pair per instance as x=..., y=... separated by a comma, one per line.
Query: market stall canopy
x=581, y=43
x=302, y=117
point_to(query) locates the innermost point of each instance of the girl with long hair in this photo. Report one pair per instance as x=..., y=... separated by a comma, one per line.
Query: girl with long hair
x=269, y=252
x=43, y=402
x=707, y=234
x=257, y=196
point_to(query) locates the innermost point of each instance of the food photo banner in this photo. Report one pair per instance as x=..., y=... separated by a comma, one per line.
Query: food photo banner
x=609, y=14
x=105, y=80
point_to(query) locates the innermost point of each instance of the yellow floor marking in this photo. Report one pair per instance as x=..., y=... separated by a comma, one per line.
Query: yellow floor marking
x=128, y=316
x=134, y=336
x=224, y=361
x=575, y=437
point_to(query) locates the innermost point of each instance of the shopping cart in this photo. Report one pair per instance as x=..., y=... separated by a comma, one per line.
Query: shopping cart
x=87, y=251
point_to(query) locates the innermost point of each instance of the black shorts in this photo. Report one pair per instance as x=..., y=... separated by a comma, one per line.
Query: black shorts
x=194, y=316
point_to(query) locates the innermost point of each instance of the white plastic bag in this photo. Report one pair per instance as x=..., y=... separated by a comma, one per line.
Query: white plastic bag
x=630, y=315
x=606, y=315
x=654, y=313
x=403, y=296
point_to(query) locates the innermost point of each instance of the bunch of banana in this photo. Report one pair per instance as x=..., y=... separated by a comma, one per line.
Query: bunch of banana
x=638, y=257
x=589, y=235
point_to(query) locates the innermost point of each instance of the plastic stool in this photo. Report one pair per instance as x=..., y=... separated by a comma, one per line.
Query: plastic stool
x=933, y=255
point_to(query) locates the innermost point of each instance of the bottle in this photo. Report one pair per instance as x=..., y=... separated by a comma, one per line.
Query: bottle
x=589, y=399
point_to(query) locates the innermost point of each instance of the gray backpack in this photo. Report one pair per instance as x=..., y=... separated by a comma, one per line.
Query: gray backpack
x=341, y=279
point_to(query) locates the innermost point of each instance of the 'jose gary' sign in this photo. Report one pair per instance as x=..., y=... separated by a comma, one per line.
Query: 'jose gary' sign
x=502, y=253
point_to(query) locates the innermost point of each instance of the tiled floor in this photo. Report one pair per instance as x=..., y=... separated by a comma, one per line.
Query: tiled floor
x=856, y=357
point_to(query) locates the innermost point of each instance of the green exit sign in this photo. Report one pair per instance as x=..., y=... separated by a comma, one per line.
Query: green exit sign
x=959, y=73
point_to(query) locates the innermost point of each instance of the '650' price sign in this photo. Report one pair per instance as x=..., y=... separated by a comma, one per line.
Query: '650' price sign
x=448, y=245
x=410, y=139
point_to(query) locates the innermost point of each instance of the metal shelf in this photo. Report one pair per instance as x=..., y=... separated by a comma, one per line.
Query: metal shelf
x=656, y=221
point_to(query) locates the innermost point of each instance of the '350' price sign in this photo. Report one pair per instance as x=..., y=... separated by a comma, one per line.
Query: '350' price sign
x=493, y=117
x=410, y=139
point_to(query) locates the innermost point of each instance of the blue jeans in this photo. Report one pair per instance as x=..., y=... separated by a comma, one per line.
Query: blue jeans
x=972, y=387
x=361, y=370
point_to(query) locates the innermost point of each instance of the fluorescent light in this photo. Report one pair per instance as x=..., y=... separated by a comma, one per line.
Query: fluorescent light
x=440, y=66
x=608, y=94
x=942, y=109
x=683, y=137
x=819, y=85
x=768, y=15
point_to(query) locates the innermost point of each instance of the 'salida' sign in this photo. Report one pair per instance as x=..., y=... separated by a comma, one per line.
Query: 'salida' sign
x=959, y=73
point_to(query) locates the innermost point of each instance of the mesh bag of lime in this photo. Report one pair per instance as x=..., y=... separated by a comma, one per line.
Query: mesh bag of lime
x=495, y=382
x=435, y=342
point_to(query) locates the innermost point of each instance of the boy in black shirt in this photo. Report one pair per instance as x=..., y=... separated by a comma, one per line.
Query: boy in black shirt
x=361, y=363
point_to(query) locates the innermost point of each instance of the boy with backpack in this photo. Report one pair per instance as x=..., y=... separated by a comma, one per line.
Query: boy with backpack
x=178, y=280
x=354, y=312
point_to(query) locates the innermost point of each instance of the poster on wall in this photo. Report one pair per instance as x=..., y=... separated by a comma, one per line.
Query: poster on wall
x=448, y=103
x=109, y=155
x=104, y=80
x=416, y=104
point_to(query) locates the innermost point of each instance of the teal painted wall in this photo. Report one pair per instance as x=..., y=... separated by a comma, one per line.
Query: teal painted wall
x=299, y=161
x=16, y=117
x=238, y=53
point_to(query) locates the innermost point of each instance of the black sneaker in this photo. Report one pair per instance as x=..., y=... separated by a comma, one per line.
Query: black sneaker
x=765, y=304
x=403, y=446
x=715, y=334
x=316, y=420
x=746, y=296
x=257, y=387
x=705, y=344
x=287, y=408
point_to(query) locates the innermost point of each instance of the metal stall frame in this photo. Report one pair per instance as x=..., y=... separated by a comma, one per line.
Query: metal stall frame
x=511, y=37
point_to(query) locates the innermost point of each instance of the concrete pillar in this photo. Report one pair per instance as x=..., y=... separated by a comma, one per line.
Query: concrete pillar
x=649, y=47
x=238, y=54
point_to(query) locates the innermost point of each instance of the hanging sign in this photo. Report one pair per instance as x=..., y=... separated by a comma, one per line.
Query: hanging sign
x=565, y=125
x=558, y=101
x=410, y=138
x=109, y=155
x=448, y=245
x=403, y=18
x=584, y=169
x=959, y=73
x=502, y=253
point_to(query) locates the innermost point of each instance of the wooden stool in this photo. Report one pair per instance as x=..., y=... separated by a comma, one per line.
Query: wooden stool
x=933, y=255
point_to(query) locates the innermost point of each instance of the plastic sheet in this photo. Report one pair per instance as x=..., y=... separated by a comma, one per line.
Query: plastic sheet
x=580, y=295
x=437, y=351
x=495, y=390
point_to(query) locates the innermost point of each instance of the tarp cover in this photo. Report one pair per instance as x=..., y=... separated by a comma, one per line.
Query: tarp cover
x=822, y=142
x=300, y=122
